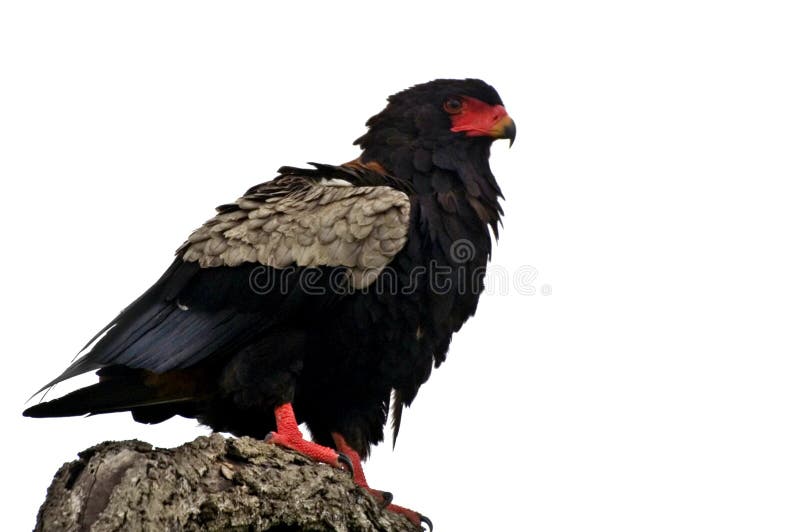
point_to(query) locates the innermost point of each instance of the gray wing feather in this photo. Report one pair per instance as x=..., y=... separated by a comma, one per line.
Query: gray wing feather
x=300, y=222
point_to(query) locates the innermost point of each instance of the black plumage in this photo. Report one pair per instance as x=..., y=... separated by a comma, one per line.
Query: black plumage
x=205, y=342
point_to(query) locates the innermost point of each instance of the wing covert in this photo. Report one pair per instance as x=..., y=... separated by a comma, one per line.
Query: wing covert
x=295, y=221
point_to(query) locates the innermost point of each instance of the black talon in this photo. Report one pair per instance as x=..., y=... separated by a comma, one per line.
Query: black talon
x=346, y=461
x=427, y=521
x=387, y=499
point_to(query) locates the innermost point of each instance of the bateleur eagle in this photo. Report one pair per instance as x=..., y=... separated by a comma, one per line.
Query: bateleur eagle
x=318, y=295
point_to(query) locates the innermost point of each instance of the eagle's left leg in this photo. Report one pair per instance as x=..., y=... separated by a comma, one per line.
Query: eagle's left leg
x=384, y=498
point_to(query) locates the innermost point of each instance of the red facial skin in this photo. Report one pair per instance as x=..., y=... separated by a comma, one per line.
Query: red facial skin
x=476, y=118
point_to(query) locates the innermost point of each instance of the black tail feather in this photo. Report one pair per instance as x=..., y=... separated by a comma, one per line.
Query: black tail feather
x=102, y=398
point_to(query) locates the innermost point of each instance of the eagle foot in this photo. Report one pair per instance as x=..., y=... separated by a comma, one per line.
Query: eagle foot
x=383, y=498
x=289, y=436
x=415, y=517
x=313, y=451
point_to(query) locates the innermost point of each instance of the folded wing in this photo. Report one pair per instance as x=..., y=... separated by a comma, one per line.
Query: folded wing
x=205, y=303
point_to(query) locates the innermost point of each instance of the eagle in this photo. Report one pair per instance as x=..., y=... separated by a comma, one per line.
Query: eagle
x=325, y=296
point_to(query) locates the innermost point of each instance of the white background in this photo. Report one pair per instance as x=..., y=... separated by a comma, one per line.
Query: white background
x=653, y=186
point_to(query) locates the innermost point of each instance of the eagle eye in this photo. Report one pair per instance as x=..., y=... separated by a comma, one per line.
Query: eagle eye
x=453, y=105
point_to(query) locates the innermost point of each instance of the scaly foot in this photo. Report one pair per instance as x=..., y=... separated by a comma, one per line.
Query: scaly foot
x=384, y=498
x=289, y=436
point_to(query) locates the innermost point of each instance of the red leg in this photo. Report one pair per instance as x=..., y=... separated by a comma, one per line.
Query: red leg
x=288, y=435
x=344, y=448
x=384, y=498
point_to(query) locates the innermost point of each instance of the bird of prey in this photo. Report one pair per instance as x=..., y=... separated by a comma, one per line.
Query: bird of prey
x=324, y=296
